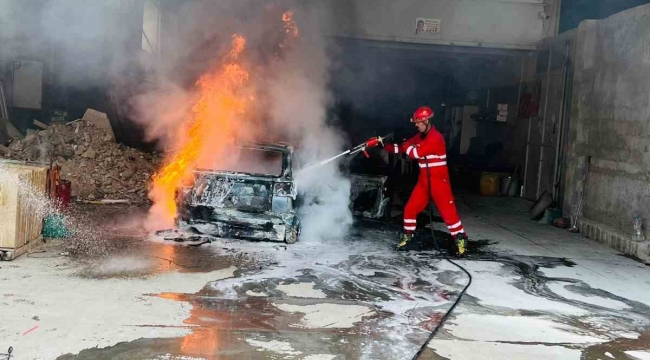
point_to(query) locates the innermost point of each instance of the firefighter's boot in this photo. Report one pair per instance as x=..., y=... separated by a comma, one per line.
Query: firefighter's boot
x=460, y=241
x=404, y=241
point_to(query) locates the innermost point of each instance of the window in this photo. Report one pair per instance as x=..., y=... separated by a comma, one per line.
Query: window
x=151, y=26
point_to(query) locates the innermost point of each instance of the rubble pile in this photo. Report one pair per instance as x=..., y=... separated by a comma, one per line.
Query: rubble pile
x=97, y=166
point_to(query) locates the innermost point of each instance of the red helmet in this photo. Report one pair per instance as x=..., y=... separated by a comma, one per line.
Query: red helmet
x=423, y=113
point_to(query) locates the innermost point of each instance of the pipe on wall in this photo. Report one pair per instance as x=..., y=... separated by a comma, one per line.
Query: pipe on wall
x=561, y=121
x=541, y=146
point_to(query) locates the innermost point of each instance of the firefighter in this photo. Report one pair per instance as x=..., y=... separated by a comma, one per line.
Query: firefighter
x=428, y=148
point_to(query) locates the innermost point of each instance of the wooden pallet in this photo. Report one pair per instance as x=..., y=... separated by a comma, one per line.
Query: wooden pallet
x=8, y=254
x=20, y=225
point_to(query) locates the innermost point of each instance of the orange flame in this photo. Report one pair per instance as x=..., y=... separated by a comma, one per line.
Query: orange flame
x=224, y=97
x=290, y=26
x=210, y=129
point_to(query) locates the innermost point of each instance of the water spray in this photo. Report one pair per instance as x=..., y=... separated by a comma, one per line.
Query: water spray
x=363, y=147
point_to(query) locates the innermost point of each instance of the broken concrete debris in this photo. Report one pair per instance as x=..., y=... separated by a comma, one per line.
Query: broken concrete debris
x=181, y=237
x=100, y=120
x=98, y=167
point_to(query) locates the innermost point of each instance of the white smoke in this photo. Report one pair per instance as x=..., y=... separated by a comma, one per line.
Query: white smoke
x=325, y=214
x=291, y=83
x=299, y=102
x=94, y=43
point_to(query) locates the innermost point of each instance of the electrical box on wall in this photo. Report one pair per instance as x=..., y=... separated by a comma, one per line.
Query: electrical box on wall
x=27, y=84
x=502, y=115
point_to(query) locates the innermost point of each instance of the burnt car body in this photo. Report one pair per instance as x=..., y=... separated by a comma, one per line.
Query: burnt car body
x=243, y=204
x=369, y=196
x=262, y=205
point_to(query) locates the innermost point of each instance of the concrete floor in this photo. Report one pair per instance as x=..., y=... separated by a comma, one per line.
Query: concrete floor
x=538, y=292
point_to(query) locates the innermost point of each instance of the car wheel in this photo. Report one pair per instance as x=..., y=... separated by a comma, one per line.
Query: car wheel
x=292, y=236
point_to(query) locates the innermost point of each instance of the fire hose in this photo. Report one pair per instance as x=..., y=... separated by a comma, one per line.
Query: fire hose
x=363, y=147
x=7, y=356
x=469, y=276
x=374, y=142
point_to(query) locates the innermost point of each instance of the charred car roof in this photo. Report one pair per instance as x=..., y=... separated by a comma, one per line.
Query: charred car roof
x=287, y=166
x=275, y=146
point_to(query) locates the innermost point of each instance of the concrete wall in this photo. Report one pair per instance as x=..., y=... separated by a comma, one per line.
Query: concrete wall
x=575, y=11
x=610, y=119
x=490, y=23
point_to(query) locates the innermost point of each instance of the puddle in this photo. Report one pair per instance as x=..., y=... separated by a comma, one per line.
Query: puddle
x=143, y=259
x=617, y=348
x=318, y=311
x=231, y=328
x=635, y=258
x=375, y=303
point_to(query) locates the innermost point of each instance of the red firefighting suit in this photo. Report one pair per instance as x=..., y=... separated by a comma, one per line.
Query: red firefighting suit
x=430, y=151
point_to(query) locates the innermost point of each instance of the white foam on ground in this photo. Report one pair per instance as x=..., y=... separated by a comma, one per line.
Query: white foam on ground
x=278, y=347
x=328, y=316
x=77, y=313
x=493, y=285
x=319, y=357
x=302, y=290
x=256, y=294
x=454, y=349
x=516, y=329
x=640, y=355
x=623, y=277
x=626, y=334
x=560, y=289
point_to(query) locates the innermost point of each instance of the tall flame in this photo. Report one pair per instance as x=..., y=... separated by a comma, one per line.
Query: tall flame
x=210, y=129
x=223, y=99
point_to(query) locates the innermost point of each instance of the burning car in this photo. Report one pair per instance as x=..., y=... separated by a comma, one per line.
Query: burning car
x=253, y=200
x=256, y=197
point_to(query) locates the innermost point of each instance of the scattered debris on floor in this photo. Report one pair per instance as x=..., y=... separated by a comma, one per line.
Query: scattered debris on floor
x=181, y=237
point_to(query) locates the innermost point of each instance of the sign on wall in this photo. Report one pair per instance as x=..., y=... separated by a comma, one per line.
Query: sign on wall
x=431, y=26
x=503, y=112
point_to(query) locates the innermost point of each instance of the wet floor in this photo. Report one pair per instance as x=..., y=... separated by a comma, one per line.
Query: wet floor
x=258, y=316
x=359, y=299
x=326, y=301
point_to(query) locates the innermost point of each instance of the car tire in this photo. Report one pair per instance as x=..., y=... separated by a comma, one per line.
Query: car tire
x=292, y=236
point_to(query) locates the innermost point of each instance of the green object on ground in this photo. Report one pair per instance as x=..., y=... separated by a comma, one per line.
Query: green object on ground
x=55, y=227
x=550, y=215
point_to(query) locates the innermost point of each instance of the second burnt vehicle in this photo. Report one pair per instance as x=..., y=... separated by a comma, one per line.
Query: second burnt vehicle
x=255, y=196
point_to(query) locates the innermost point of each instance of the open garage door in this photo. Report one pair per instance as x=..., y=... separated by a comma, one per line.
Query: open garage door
x=546, y=127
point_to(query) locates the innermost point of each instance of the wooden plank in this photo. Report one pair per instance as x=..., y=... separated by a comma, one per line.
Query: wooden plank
x=12, y=131
x=8, y=254
x=20, y=222
x=41, y=125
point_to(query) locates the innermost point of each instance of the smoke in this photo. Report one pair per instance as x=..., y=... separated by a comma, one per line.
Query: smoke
x=283, y=97
x=299, y=102
x=80, y=42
